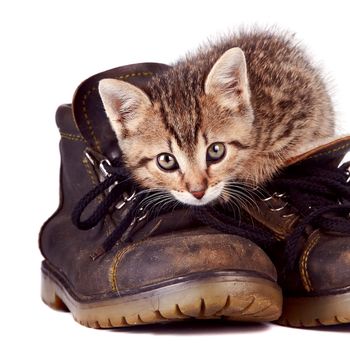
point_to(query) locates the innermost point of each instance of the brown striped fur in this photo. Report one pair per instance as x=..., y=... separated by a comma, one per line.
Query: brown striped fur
x=283, y=107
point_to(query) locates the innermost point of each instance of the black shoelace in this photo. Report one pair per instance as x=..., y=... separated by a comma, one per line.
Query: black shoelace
x=321, y=194
x=315, y=191
x=118, y=182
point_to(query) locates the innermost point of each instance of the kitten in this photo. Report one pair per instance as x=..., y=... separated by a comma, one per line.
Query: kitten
x=231, y=113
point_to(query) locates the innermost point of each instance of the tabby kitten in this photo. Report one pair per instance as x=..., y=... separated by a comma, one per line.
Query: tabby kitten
x=230, y=114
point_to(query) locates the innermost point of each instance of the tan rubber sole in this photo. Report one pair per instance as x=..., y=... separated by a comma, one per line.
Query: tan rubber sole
x=235, y=298
x=316, y=311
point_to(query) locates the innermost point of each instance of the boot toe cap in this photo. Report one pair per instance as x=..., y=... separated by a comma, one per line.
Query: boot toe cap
x=160, y=259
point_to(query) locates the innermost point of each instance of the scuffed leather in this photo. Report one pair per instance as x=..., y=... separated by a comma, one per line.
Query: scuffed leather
x=183, y=253
x=328, y=263
x=281, y=226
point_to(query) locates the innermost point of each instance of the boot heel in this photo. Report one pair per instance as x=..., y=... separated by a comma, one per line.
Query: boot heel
x=48, y=294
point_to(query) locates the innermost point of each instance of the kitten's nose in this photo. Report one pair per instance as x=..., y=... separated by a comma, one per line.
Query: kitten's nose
x=197, y=188
x=198, y=194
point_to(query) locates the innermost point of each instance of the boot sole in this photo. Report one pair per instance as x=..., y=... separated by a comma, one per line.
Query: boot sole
x=236, y=298
x=316, y=311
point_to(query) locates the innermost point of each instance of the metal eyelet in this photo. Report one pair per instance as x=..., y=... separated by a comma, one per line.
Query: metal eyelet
x=278, y=209
x=120, y=205
x=274, y=195
x=89, y=158
x=140, y=218
x=102, y=167
x=143, y=216
x=133, y=222
x=278, y=195
x=129, y=198
x=347, y=173
x=285, y=216
x=266, y=199
x=126, y=198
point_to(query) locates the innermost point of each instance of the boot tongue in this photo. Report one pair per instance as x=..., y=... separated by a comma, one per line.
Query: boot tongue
x=88, y=111
x=330, y=151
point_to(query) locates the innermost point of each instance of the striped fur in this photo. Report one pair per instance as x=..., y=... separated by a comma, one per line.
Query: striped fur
x=282, y=107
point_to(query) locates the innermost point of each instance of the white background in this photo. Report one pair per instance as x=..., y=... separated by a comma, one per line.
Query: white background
x=46, y=49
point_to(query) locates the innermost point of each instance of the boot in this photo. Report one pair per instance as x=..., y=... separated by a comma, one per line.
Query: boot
x=306, y=211
x=111, y=263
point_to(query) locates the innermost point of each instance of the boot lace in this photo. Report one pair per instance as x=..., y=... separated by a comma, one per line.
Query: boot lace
x=118, y=182
x=321, y=195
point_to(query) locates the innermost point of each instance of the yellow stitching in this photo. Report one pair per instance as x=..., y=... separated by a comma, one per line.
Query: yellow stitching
x=71, y=136
x=139, y=74
x=116, y=260
x=87, y=119
x=303, y=263
x=88, y=170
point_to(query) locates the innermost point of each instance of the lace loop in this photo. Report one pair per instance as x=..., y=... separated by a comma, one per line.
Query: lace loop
x=115, y=178
x=102, y=208
x=118, y=182
x=316, y=192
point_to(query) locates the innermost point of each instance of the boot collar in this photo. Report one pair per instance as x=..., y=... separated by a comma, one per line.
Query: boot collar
x=334, y=148
x=88, y=111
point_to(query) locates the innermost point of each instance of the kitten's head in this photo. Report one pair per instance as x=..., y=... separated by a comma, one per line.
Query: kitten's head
x=190, y=135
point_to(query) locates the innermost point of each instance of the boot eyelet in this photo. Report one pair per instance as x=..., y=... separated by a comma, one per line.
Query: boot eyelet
x=120, y=205
x=131, y=197
x=286, y=216
x=89, y=158
x=133, y=221
x=278, y=195
x=102, y=167
x=139, y=218
x=142, y=217
x=347, y=173
x=274, y=195
x=278, y=209
x=267, y=199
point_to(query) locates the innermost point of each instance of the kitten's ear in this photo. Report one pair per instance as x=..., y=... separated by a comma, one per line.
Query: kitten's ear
x=228, y=79
x=121, y=101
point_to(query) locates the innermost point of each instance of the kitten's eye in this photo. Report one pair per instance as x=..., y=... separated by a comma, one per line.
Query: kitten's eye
x=216, y=151
x=167, y=162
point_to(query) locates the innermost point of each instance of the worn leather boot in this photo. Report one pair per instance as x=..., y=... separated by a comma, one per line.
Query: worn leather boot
x=120, y=265
x=307, y=212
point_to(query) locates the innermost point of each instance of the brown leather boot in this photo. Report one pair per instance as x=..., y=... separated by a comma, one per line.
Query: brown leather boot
x=307, y=211
x=123, y=266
